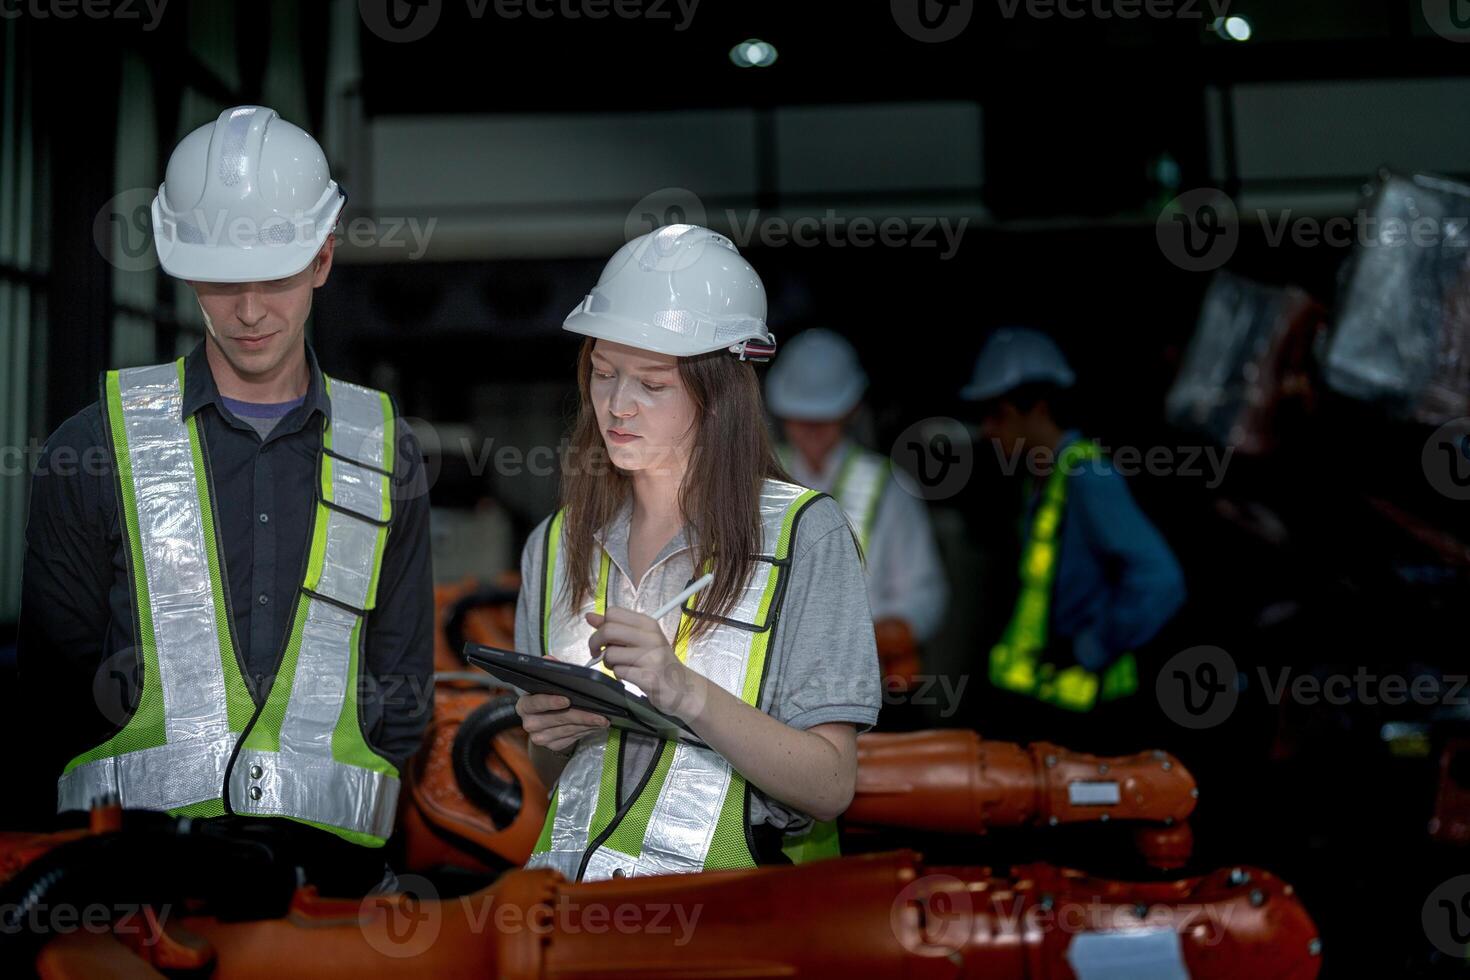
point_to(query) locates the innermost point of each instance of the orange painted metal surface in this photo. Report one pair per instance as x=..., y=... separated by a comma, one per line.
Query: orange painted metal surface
x=898, y=653
x=876, y=916
x=954, y=781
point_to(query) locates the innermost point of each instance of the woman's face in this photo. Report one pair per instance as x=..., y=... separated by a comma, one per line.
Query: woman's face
x=643, y=410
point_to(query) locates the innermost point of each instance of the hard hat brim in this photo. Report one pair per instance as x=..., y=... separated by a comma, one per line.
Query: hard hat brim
x=205, y=262
x=988, y=392
x=647, y=336
x=799, y=407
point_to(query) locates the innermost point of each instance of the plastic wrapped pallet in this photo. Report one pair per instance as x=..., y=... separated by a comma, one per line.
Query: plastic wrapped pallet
x=1250, y=342
x=1402, y=337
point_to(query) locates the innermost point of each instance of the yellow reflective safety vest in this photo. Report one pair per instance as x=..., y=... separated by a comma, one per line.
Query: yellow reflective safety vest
x=196, y=744
x=690, y=811
x=1016, y=662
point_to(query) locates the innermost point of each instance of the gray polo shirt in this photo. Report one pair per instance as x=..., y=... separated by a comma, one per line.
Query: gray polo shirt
x=823, y=660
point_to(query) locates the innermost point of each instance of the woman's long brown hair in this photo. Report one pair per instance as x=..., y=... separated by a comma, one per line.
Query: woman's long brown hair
x=720, y=496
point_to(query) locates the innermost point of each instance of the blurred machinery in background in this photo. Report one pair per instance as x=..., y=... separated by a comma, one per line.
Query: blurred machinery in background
x=470, y=530
x=1451, y=821
x=1402, y=332
x=898, y=653
x=1330, y=569
x=1248, y=356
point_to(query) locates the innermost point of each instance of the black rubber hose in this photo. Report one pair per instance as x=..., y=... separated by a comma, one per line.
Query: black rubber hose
x=500, y=798
x=154, y=860
x=454, y=621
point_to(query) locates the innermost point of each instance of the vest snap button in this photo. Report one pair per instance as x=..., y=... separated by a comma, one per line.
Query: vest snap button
x=255, y=792
x=255, y=772
x=618, y=873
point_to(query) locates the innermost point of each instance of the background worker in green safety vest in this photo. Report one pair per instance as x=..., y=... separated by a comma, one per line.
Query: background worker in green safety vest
x=815, y=389
x=1096, y=579
x=227, y=600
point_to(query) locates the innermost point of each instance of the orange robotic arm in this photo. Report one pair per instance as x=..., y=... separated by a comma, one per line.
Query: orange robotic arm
x=954, y=781
x=876, y=916
x=948, y=781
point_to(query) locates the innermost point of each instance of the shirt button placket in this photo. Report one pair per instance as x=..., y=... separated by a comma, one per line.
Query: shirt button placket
x=263, y=567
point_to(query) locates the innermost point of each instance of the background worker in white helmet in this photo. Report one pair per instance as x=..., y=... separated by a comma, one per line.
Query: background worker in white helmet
x=671, y=475
x=1097, y=580
x=250, y=553
x=815, y=389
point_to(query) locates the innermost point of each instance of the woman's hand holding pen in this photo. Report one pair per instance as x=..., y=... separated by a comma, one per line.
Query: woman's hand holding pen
x=639, y=653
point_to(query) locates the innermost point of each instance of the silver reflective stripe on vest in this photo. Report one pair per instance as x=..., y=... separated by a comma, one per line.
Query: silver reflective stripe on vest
x=567, y=633
x=305, y=779
x=686, y=812
x=577, y=788
x=172, y=528
x=180, y=600
x=160, y=778
x=684, y=817
x=357, y=488
x=606, y=861
x=865, y=480
x=357, y=424
x=317, y=789
x=347, y=563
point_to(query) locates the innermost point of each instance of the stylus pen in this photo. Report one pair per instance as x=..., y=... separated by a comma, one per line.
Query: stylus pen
x=665, y=609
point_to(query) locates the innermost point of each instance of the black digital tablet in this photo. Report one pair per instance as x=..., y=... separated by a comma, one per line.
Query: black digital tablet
x=587, y=688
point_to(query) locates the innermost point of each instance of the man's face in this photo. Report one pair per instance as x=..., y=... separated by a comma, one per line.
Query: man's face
x=1006, y=425
x=257, y=325
x=814, y=440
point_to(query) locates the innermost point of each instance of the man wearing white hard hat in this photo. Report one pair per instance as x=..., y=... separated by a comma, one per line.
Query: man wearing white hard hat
x=814, y=389
x=670, y=477
x=250, y=551
x=1097, y=580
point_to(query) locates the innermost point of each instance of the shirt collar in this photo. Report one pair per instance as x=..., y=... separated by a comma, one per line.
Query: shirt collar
x=827, y=476
x=613, y=537
x=200, y=388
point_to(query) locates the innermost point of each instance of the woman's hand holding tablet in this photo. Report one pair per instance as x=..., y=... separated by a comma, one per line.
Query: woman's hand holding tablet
x=551, y=722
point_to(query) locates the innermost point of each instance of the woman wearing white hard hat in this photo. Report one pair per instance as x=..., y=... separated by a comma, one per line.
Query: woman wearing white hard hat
x=670, y=475
x=815, y=390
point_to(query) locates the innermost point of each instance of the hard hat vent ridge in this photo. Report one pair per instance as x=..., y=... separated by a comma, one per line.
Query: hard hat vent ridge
x=666, y=241
x=232, y=161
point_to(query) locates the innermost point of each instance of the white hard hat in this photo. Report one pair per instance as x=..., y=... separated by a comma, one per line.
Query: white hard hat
x=1014, y=356
x=817, y=378
x=247, y=198
x=680, y=290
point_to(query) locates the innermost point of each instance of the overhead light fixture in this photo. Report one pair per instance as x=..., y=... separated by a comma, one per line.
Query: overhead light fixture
x=1232, y=28
x=753, y=53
